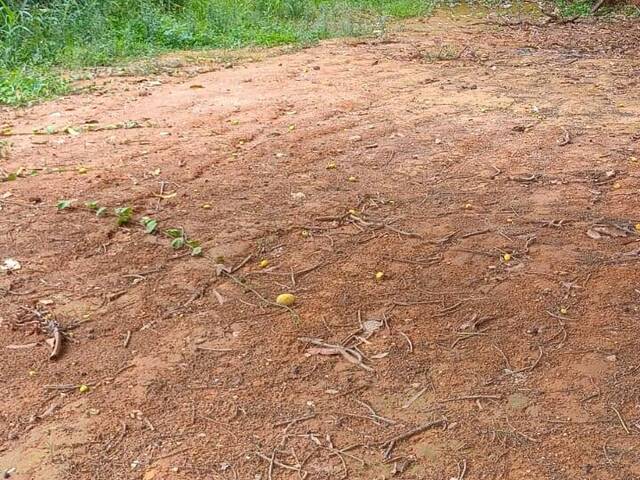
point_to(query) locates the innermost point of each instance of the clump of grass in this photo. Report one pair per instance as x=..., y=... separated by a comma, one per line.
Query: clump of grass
x=572, y=8
x=37, y=36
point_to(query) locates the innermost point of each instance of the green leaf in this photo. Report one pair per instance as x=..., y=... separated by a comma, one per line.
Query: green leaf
x=174, y=232
x=196, y=252
x=11, y=177
x=92, y=205
x=193, y=243
x=101, y=211
x=62, y=204
x=124, y=215
x=177, y=243
x=150, y=224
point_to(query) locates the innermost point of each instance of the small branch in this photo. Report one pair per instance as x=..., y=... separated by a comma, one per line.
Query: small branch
x=622, y=422
x=471, y=397
x=294, y=420
x=408, y=341
x=127, y=339
x=389, y=444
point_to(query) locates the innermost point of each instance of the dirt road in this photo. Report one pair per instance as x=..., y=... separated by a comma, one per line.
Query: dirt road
x=491, y=173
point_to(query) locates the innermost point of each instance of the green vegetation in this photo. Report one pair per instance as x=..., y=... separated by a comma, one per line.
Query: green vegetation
x=39, y=38
x=571, y=8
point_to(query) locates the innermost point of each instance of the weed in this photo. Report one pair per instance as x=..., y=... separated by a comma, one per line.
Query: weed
x=123, y=215
x=149, y=224
x=179, y=240
x=64, y=204
x=95, y=206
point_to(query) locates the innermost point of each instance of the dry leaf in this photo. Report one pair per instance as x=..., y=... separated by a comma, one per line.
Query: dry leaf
x=593, y=234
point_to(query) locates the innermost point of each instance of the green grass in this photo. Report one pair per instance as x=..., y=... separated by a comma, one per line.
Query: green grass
x=42, y=39
x=571, y=8
x=39, y=39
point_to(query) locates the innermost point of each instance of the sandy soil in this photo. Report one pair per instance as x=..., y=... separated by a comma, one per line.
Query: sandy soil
x=490, y=172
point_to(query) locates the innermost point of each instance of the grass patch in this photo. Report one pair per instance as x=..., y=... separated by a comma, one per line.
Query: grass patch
x=38, y=37
x=571, y=8
x=19, y=87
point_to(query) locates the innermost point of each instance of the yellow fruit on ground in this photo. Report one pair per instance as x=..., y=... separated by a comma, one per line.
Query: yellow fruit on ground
x=286, y=299
x=563, y=310
x=331, y=166
x=352, y=178
x=506, y=257
x=264, y=263
x=83, y=388
x=379, y=276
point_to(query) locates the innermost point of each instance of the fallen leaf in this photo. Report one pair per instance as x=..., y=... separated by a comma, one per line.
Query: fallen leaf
x=609, y=231
x=593, y=234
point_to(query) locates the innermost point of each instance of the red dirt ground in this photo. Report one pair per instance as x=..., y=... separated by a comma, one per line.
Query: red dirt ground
x=466, y=140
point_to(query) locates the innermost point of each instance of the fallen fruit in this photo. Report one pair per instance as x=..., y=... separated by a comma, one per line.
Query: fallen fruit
x=637, y=227
x=264, y=263
x=506, y=257
x=379, y=276
x=352, y=178
x=563, y=310
x=353, y=212
x=331, y=166
x=468, y=206
x=206, y=206
x=286, y=299
x=82, y=170
x=83, y=388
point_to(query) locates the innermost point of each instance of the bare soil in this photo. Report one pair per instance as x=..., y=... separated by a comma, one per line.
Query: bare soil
x=492, y=174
